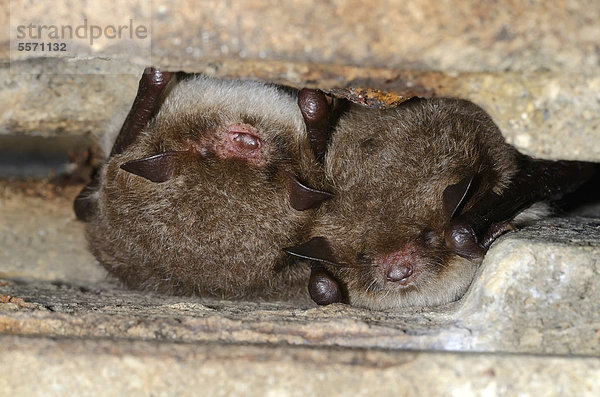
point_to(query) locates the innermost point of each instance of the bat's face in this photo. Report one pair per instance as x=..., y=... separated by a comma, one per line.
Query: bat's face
x=392, y=262
x=382, y=235
x=202, y=202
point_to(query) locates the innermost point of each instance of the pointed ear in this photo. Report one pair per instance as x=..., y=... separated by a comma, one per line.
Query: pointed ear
x=303, y=197
x=315, y=249
x=454, y=196
x=315, y=111
x=158, y=168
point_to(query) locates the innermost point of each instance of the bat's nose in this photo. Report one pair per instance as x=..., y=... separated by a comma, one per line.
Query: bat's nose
x=399, y=265
x=398, y=272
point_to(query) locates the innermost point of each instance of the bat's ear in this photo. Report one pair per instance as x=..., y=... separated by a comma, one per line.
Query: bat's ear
x=316, y=249
x=454, y=196
x=315, y=112
x=157, y=168
x=303, y=197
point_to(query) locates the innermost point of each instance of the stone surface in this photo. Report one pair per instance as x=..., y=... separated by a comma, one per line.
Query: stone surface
x=57, y=367
x=40, y=237
x=540, y=80
x=545, y=114
x=466, y=36
x=541, y=288
x=47, y=103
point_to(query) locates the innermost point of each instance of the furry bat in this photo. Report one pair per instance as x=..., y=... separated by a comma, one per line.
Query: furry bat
x=420, y=193
x=203, y=188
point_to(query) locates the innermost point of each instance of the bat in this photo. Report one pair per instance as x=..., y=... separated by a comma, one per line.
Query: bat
x=208, y=180
x=420, y=192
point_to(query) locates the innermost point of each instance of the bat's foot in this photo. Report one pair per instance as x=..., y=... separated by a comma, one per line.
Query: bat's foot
x=85, y=203
x=495, y=231
x=315, y=112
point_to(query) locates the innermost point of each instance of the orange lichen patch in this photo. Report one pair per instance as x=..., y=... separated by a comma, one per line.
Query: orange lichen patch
x=44, y=189
x=11, y=299
x=369, y=97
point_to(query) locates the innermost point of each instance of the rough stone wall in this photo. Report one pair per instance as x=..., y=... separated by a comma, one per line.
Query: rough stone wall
x=534, y=66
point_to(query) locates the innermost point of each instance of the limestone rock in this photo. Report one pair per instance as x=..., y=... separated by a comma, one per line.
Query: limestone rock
x=463, y=37
x=545, y=114
x=55, y=367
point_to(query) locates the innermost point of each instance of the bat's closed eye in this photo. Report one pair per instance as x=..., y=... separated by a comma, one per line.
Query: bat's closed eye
x=429, y=236
x=245, y=141
x=242, y=141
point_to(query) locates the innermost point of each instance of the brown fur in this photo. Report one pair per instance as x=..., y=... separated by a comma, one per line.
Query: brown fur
x=218, y=227
x=388, y=170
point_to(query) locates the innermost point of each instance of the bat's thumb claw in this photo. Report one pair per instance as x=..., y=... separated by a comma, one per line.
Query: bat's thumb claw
x=323, y=289
x=461, y=239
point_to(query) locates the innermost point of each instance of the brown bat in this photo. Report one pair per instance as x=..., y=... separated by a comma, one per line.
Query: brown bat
x=419, y=193
x=206, y=183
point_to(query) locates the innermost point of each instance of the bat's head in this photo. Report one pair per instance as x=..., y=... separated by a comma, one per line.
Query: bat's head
x=210, y=192
x=398, y=177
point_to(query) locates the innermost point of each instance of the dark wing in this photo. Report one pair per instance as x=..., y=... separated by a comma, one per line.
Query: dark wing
x=470, y=234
